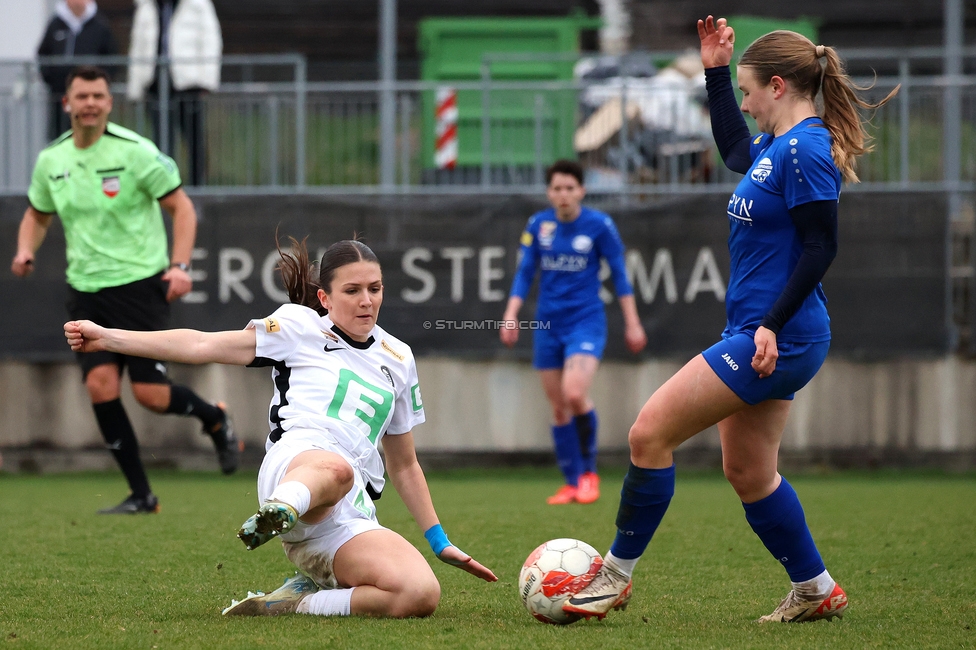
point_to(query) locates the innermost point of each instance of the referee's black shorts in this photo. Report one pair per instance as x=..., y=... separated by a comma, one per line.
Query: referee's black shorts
x=140, y=306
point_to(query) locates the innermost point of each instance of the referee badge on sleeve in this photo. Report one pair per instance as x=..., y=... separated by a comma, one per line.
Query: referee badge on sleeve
x=111, y=186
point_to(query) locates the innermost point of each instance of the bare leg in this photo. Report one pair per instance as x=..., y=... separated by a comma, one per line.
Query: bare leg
x=750, y=448
x=391, y=577
x=578, y=373
x=552, y=384
x=691, y=401
x=328, y=477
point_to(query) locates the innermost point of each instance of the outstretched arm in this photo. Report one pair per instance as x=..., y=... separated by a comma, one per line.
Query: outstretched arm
x=181, y=346
x=408, y=478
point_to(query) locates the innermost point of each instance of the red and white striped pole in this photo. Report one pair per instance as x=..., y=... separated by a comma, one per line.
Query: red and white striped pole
x=445, y=129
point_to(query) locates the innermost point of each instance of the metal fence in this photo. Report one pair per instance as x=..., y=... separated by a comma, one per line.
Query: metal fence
x=268, y=129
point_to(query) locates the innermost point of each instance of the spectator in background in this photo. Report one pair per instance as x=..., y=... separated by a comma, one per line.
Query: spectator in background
x=77, y=29
x=188, y=32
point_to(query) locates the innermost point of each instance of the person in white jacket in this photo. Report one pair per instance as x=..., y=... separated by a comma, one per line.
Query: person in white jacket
x=188, y=33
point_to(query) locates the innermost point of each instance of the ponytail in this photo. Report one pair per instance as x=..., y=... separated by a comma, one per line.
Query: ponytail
x=297, y=274
x=795, y=58
x=840, y=115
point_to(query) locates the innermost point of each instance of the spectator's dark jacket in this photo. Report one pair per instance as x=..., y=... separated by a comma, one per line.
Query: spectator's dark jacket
x=95, y=37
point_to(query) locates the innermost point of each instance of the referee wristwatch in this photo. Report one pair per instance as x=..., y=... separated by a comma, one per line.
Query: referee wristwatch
x=183, y=266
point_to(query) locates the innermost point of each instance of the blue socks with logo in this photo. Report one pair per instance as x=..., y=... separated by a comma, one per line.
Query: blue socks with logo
x=586, y=432
x=568, y=452
x=779, y=522
x=643, y=501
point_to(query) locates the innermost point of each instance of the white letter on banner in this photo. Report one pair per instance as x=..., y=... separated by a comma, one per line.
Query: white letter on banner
x=229, y=279
x=267, y=279
x=409, y=266
x=705, y=266
x=457, y=255
x=662, y=271
x=487, y=273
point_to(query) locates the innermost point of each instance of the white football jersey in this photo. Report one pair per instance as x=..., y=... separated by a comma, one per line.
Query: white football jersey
x=355, y=391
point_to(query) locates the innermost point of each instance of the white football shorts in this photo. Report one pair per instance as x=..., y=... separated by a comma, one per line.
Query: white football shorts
x=312, y=547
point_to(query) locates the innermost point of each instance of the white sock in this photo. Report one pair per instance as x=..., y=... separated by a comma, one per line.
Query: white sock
x=295, y=494
x=328, y=602
x=821, y=585
x=625, y=567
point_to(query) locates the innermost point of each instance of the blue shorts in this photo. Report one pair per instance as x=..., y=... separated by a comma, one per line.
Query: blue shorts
x=551, y=347
x=731, y=359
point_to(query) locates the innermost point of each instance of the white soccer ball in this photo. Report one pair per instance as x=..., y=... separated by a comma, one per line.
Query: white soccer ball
x=552, y=573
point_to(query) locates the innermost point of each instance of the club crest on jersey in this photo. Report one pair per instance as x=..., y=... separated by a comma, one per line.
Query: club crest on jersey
x=111, y=186
x=386, y=346
x=389, y=375
x=330, y=335
x=547, y=232
x=582, y=244
x=762, y=170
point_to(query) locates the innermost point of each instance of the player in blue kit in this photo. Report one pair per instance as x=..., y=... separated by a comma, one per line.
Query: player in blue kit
x=567, y=242
x=782, y=238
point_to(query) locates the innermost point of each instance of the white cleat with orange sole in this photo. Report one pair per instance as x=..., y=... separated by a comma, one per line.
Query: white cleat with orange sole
x=795, y=609
x=607, y=591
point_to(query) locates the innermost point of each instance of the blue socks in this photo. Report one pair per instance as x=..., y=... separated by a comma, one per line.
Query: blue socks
x=778, y=520
x=643, y=501
x=568, y=452
x=586, y=431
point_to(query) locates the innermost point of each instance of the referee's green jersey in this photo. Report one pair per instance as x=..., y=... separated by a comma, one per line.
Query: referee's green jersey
x=107, y=198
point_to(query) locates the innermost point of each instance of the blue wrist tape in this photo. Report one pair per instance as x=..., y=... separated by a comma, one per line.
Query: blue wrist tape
x=437, y=538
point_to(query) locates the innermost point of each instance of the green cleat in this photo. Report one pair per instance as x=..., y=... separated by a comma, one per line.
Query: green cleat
x=271, y=520
x=283, y=600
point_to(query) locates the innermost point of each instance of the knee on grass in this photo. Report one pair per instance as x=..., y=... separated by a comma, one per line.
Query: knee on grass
x=416, y=598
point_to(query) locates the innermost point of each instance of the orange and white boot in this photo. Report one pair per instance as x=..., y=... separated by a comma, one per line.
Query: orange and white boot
x=565, y=494
x=796, y=609
x=589, y=488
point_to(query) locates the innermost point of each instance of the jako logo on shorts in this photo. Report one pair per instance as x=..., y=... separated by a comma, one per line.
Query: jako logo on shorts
x=729, y=360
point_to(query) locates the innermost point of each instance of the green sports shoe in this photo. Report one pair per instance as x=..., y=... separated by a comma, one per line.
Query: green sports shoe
x=271, y=520
x=283, y=600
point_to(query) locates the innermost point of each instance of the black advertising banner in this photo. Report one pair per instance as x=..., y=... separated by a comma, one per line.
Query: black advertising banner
x=448, y=264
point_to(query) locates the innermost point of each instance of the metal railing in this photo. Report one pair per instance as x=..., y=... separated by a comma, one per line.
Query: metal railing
x=268, y=129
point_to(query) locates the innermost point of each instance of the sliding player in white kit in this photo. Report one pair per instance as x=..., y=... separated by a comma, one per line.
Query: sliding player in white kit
x=342, y=384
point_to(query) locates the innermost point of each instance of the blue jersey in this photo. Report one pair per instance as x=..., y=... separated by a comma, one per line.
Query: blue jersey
x=569, y=257
x=790, y=170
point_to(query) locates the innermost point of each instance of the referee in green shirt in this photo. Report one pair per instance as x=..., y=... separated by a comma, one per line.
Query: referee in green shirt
x=106, y=184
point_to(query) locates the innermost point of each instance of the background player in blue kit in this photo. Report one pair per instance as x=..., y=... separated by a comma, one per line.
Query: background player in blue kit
x=567, y=241
x=783, y=236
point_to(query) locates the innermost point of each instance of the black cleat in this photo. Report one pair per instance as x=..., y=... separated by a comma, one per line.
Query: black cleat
x=134, y=505
x=228, y=447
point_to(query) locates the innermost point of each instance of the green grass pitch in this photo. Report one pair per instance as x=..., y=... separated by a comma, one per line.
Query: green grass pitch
x=902, y=545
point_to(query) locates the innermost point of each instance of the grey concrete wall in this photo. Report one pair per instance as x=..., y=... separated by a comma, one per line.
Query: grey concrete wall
x=908, y=406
